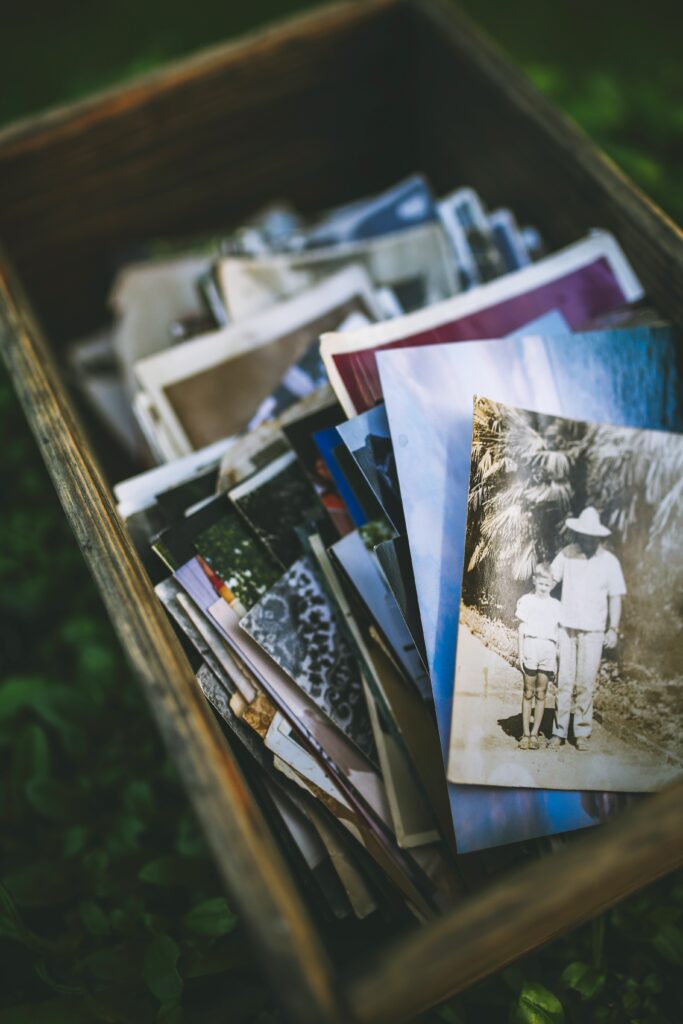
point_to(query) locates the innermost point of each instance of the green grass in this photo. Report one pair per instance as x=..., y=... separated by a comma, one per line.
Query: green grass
x=110, y=909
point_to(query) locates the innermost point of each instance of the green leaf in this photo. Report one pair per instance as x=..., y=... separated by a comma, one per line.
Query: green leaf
x=113, y=964
x=74, y=840
x=582, y=978
x=199, y=963
x=213, y=917
x=664, y=915
x=652, y=983
x=138, y=798
x=99, y=1010
x=630, y=999
x=22, y=692
x=124, y=835
x=160, y=971
x=170, y=1013
x=13, y=928
x=449, y=1015
x=40, y=884
x=55, y=703
x=668, y=942
x=190, y=841
x=169, y=871
x=598, y=940
x=61, y=987
x=33, y=750
x=53, y=1011
x=538, y=1006
x=53, y=799
x=573, y=973
x=94, y=918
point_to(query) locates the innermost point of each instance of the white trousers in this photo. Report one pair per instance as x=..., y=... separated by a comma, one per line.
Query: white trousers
x=580, y=655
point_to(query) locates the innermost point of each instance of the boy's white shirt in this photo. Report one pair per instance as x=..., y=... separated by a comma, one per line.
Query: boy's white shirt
x=540, y=616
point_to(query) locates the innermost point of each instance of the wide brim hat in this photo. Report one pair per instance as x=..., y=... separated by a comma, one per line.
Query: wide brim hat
x=589, y=524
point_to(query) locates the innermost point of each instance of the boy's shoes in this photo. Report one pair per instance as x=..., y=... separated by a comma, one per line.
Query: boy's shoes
x=533, y=743
x=524, y=743
x=555, y=742
x=582, y=743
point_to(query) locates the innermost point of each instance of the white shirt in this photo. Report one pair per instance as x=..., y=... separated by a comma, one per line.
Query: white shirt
x=540, y=615
x=586, y=585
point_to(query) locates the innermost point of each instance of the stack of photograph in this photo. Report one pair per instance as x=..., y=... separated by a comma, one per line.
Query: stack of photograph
x=410, y=489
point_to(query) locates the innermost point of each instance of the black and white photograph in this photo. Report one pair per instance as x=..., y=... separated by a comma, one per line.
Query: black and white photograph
x=568, y=672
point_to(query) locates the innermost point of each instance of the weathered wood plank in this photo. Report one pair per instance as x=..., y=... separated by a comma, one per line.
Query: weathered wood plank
x=244, y=850
x=532, y=906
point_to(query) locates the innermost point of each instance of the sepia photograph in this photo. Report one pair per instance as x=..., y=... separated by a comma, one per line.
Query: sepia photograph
x=568, y=672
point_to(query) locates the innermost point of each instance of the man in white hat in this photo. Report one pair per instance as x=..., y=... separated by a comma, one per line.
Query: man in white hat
x=592, y=588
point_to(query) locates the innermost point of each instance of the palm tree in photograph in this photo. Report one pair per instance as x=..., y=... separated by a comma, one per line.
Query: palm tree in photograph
x=530, y=471
x=525, y=472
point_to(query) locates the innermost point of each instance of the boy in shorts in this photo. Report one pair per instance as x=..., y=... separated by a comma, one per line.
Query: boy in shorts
x=539, y=619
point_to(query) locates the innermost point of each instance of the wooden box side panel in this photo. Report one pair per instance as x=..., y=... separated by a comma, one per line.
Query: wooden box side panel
x=310, y=112
x=521, y=912
x=481, y=123
x=247, y=857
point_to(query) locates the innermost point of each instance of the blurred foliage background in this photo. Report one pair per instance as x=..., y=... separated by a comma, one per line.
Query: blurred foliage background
x=110, y=909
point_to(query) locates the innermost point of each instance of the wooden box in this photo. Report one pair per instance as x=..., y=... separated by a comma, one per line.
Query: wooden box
x=321, y=110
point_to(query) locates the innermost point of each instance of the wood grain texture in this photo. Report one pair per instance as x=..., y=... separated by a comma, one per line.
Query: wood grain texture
x=530, y=907
x=482, y=123
x=246, y=855
x=310, y=113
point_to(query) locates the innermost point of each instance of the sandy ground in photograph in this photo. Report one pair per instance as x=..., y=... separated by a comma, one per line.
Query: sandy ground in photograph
x=488, y=726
